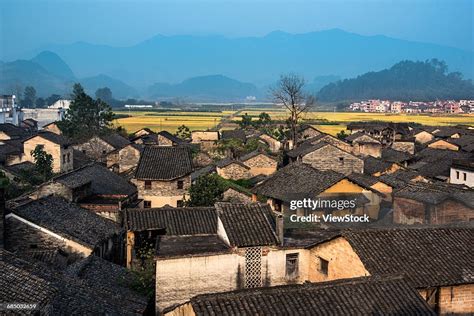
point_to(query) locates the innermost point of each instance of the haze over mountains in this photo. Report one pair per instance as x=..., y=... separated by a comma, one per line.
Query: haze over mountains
x=232, y=68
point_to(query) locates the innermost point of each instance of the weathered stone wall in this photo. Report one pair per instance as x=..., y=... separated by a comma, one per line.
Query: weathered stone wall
x=308, y=133
x=332, y=158
x=451, y=212
x=367, y=149
x=273, y=144
x=423, y=137
x=233, y=196
x=343, y=261
x=261, y=164
x=457, y=299
x=408, y=147
x=202, y=159
x=442, y=144
x=163, y=192
x=95, y=148
x=406, y=211
x=163, y=141
x=128, y=158
x=234, y=171
x=62, y=157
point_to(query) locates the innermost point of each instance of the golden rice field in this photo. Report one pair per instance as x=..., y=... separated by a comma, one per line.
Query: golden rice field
x=203, y=120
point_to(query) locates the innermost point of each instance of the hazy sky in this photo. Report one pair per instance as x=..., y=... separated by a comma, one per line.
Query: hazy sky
x=29, y=24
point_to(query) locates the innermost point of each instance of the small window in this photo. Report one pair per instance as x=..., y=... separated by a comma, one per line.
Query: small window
x=40, y=146
x=323, y=266
x=83, y=151
x=180, y=184
x=33, y=246
x=104, y=152
x=147, y=184
x=147, y=204
x=68, y=157
x=292, y=265
x=64, y=158
x=341, y=160
x=464, y=176
x=457, y=174
x=180, y=203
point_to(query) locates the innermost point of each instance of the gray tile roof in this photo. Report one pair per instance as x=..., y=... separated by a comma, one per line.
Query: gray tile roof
x=295, y=180
x=373, y=165
x=164, y=163
x=52, y=137
x=176, y=221
x=306, y=148
x=392, y=155
x=427, y=256
x=172, y=137
x=247, y=225
x=14, y=132
x=178, y=246
x=237, y=134
x=361, y=296
x=115, y=140
x=67, y=220
x=103, y=181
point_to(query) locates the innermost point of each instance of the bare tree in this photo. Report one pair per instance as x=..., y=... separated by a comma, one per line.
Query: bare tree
x=289, y=91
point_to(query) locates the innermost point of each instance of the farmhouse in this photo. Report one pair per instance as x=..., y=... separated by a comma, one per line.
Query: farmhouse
x=233, y=169
x=299, y=180
x=234, y=134
x=325, y=156
x=359, y=296
x=98, y=147
x=306, y=131
x=163, y=175
x=422, y=136
x=442, y=144
x=377, y=167
x=206, y=139
x=422, y=203
x=124, y=159
x=259, y=163
x=385, y=132
x=441, y=269
x=52, y=222
x=9, y=131
x=95, y=188
x=58, y=146
x=273, y=144
x=365, y=145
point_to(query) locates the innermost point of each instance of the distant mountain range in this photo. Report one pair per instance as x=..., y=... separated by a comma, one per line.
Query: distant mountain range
x=216, y=67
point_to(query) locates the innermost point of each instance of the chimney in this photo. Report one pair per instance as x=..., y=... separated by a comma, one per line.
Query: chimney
x=2, y=218
x=279, y=228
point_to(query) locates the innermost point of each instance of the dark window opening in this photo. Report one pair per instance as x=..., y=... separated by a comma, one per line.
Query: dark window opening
x=292, y=265
x=180, y=203
x=465, y=176
x=146, y=204
x=180, y=184
x=457, y=174
x=33, y=246
x=147, y=184
x=323, y=266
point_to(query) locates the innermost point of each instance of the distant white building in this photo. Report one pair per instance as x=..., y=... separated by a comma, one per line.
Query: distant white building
x=462, y=172
x=60, y=104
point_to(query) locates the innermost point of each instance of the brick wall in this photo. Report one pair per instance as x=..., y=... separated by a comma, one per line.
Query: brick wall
x=457, y=299
x=332, y=158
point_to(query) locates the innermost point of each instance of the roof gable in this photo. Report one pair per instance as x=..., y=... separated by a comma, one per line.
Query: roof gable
x=164, y=163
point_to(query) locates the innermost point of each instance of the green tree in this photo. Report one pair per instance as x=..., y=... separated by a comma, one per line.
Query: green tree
x=342, y=135
x=264, y=119
x=52, y=98
x=105, y=94
x=29, y=97
x=183, y=132
x=43, y=162
x=40, y=103
x=254, y=144
x=233, y=146
x=206, y=190
x=86, y=117
x=143, y=280
x=246, y=120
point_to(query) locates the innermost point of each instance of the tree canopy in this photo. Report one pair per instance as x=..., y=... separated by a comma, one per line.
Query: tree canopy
x=86, y=117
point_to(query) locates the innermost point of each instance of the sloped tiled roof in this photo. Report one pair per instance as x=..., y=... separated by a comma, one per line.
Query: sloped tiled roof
x=360, y=296
x=115, y=140
x=295, y=180
x=178, y=246
x=373, y=165
x=392, y=155
x=52, y=137
x=176, y=221
x=427, y=256
x=164, y=163
x=255, y=153
x=306, y=148
x=103, y=181
x=171, y=137
x=13, y=131
x=247, y=225
x=67, y=220
x=237, y=134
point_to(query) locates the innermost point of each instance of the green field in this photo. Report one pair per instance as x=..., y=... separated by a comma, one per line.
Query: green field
x=334, y=121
